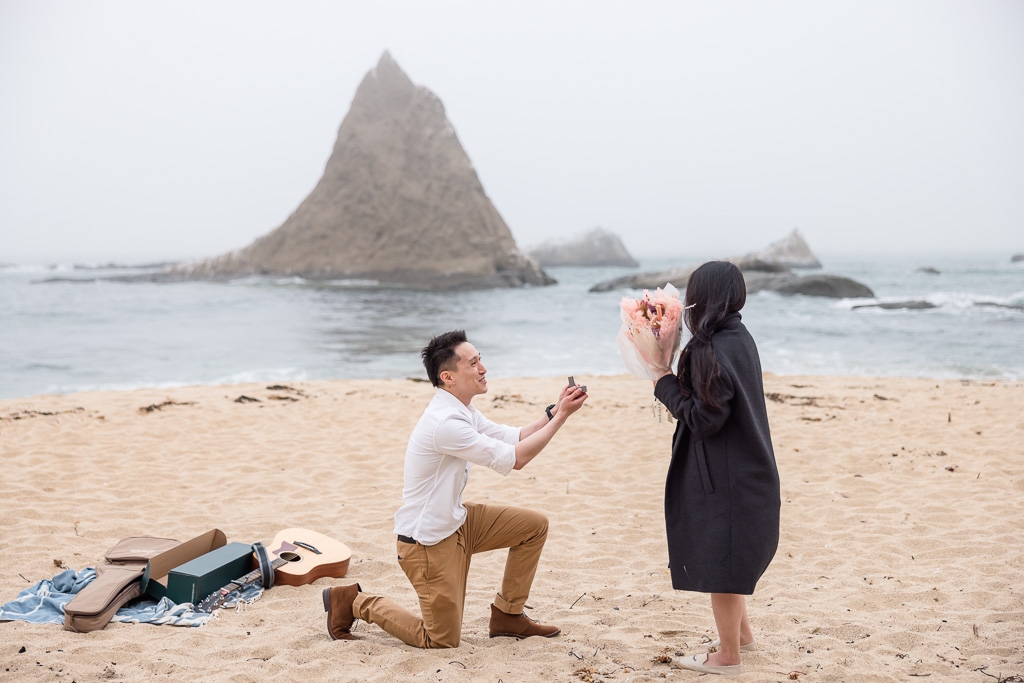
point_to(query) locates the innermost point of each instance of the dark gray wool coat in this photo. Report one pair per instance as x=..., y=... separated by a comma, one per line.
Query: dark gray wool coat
x=722, y=494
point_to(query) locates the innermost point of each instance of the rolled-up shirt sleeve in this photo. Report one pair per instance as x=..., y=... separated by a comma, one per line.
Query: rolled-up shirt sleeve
x=499, y=432
x=456, y=436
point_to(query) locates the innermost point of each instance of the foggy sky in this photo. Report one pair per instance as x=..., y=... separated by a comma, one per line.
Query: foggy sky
x=153, y=131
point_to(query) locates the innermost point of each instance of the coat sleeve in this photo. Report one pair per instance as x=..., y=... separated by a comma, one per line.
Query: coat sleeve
x=701, y=419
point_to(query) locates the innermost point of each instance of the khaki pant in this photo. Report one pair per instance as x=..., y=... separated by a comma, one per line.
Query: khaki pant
x=438, y=573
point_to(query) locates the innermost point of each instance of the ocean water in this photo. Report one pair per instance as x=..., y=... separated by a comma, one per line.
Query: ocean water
x=62, y=337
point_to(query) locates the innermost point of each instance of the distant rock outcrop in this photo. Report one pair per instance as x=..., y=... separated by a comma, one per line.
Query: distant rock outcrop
x=831, y=286
x=677, y=276
x=1016, y=258
x=399, y=202
x=784, y=282
x=758, y=273
x=596, y=247
x=792, y=251
x=899, y=305
x=995, y=304
x=916, y=305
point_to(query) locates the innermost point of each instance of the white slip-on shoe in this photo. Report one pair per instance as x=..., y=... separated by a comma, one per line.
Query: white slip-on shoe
x=696, y=663
x=749, y=647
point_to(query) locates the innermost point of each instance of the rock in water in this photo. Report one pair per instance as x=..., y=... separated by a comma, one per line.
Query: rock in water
x=792, y=251
x=678, y=277
x=898, y=305
x=831, y=286
x=399, y=202
x=597, y=247
x=762, y=270
x=1017, y=258
x=785, y=282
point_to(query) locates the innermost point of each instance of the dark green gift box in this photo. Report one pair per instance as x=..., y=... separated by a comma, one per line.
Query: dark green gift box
x=197, y=568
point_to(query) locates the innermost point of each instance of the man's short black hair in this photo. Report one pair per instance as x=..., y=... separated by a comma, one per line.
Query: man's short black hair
x=440, y=354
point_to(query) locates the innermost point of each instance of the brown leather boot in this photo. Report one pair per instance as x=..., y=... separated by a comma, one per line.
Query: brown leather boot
x=518, y=626
x=338, y=605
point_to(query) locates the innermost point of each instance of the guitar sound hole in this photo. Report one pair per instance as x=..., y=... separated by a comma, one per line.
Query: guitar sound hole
x=290, y=556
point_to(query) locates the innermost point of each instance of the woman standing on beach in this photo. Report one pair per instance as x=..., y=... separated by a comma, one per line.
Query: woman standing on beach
x=722, y=495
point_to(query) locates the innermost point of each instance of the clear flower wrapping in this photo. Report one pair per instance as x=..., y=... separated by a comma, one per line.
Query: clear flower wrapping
x=651, y=331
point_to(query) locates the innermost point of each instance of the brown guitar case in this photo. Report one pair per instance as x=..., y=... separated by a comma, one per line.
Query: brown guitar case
x=118, y=580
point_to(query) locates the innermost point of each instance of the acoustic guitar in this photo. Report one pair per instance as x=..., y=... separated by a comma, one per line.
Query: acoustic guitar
x=298, y=556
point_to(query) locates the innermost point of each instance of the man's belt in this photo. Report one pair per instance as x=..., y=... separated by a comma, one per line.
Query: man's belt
x=406, y=539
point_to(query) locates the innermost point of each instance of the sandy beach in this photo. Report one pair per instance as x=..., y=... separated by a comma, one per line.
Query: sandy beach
x=900, y=555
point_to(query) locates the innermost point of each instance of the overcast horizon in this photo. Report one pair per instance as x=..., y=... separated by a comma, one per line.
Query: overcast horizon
x=161, y=131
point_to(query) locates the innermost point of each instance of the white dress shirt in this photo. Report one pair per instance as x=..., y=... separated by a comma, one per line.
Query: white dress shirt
x=448, y=440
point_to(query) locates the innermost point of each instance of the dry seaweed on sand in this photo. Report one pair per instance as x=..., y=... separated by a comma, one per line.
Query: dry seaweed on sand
x=160, y=406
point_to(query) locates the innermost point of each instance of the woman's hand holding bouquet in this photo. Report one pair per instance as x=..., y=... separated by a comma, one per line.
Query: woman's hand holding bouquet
x=650, y=333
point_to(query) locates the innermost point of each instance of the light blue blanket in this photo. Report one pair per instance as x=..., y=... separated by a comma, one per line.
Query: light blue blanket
x=44, y=603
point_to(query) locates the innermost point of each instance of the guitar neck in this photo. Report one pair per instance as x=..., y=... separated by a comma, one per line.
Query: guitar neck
x=255, y=575
x=309, y=556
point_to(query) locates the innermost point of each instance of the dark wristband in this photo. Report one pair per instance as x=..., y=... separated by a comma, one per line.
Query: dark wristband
x=548, y=411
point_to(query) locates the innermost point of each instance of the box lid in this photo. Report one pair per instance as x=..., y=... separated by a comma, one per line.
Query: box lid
x=158, y=567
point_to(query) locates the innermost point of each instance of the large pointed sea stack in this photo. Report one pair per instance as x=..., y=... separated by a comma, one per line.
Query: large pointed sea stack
x=399, y=202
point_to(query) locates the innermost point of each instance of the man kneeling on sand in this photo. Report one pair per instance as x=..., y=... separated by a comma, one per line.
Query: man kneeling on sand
x=437, y=533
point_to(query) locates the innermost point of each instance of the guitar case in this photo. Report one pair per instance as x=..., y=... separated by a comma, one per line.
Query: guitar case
x=118, y=580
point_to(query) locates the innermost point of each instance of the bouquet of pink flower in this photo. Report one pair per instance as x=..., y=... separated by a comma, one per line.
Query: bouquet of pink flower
x=651, y=330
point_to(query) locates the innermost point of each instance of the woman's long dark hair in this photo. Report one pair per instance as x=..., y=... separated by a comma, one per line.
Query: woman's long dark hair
x=714, y=292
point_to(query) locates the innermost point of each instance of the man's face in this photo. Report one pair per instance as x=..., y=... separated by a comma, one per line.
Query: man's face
x=469, y=376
